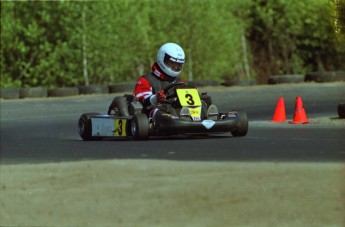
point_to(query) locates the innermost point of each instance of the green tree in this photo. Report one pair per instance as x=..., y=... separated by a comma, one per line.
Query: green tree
x=35, y=44
x=66, y=43
x=292, y=37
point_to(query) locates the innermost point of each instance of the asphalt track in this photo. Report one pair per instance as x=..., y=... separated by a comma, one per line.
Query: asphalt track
x=45, y=130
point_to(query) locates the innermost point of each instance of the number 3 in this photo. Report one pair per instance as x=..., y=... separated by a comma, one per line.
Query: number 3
x=190, y=99
x=120, y=127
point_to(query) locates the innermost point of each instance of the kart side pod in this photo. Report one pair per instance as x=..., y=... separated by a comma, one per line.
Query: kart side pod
x=95, y=126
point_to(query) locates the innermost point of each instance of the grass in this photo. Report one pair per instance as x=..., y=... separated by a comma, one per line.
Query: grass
x=172, y=193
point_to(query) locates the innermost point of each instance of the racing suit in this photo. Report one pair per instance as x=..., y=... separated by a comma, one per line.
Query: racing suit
x=150, y=84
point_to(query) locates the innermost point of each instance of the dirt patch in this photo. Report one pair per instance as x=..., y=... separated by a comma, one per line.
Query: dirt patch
x=171, y=193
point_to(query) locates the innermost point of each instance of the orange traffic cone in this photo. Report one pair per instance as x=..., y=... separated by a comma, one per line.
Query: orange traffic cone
x=279, y=113
x=300, y=116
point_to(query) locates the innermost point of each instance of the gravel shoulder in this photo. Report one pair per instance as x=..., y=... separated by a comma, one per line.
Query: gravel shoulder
x=171, y=193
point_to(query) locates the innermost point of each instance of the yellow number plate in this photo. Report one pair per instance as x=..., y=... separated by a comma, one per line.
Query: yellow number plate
x=188, y=97
x=120, y=127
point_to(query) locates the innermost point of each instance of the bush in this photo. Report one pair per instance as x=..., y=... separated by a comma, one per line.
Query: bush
x=68, y=43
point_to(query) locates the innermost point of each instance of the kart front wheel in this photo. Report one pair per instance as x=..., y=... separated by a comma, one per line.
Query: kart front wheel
x=85, y=127
x=242, y=125
x=139, y=126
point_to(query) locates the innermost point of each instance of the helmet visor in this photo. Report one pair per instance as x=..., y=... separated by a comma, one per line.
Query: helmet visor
x=174, y=64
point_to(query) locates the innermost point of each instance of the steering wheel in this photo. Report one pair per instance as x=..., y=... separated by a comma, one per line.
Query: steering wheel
x=170, y=91
x=171, y=86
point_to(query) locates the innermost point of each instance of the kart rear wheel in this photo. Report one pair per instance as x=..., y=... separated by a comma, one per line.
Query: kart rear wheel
x=139, y=126
x=85, y=127
x=242, y=125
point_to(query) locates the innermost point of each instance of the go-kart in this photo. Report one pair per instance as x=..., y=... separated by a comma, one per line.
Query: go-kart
x=185, y=111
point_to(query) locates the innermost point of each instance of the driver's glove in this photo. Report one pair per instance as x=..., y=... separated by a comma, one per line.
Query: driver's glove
x=159, y=97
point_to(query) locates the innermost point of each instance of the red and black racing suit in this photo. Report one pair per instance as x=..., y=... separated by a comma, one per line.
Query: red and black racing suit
x=150, y=84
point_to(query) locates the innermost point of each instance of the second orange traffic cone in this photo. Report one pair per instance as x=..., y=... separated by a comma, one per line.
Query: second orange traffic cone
x=279, y=113
x=300, y=116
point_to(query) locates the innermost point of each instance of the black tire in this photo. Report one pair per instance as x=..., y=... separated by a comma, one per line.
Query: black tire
x=85, y=127
x=93, y=89
x=9, y=93
x=203, y=83
x=242, y=125
x=329, y=76
x=33, y=92
x=122, y=87
x=63, y=92
x=341, y=110
x=238, y=83
x=139, y=127
x=281, y=79
x=119, y=102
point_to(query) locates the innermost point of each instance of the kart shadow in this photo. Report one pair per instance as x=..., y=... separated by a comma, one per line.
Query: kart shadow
x=174, y=137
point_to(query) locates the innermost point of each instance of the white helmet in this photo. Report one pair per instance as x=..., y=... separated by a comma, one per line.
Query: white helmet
x=170, y=59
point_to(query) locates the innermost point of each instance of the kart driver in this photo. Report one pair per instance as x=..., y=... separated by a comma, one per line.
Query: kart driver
x=149, y=89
